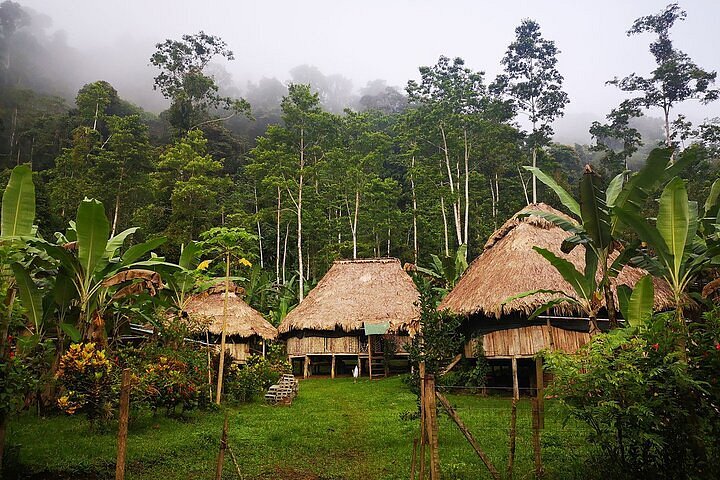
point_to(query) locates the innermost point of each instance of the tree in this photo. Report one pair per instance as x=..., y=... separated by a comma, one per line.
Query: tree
x=533, y=82
x=676, y=79
x=617, y=139
x=183, y=81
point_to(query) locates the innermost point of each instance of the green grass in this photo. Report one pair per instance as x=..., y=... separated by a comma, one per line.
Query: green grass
x=334, y=430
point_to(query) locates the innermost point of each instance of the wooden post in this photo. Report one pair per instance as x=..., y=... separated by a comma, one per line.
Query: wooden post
x=370, y=356
x=414, y=458
x=123, y=425
x=306, y=367
x=465, y=431
x=432, y=426
x=540, y=389
x=263, y=346
x=223, y=446
x=539, y=471
x=423, y=433
x=516, y=389
x=513, y=433
x=332, y=366
x=359, y=366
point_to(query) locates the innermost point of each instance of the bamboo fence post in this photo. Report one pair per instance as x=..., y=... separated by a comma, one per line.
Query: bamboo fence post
x=432, y=427
x=540, y=390
x=414, y=458
x=539, y=470
x=423, y=436
x=123, y=425
x=223, y=446
x=469, y=436
x=516, y=388
x=513, y=433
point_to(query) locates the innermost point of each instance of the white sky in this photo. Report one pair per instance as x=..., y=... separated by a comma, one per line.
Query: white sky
x=369, y=39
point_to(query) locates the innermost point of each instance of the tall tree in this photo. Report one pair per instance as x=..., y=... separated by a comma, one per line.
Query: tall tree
x=616, y=138
x=534, y=83
x=676, y=79
x=185, y=83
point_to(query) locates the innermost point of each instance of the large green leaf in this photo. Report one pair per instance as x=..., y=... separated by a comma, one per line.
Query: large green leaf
x=596, y=220
x=565, y=198
x=583, y=289
x=674, y=221
x=29, y=295
x=136, y=252
x=93, y=230
x=551, y=304
x=18, y=204
x=712, y=200
x=113, y=245
x=647, y=233
x=559, y=220
x=640, y=306
x=189, y=255
x=614, y=189
x=624, y=293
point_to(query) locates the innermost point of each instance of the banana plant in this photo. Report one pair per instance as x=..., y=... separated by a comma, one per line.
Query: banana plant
x=679, y=251
x=447, y=271
x=99, y=275
x=636, y=304
x=596, y=224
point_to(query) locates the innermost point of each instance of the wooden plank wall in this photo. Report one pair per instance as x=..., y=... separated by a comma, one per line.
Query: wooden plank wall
x=528, y=341
x=347, y=344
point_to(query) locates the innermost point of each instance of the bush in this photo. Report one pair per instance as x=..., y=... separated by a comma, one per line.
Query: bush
x=86, y=381
x=651, y=413
x=246, y=382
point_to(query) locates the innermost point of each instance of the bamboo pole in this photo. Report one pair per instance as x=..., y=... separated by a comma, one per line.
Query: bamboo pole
x=469, y=436
x=516, y=389
x=223, y=446
x=221, y=367
x=332, y=367
x=513, y=434
x=432, y=427
x=539, y=470
x=423, y=433
x=123, y=425
x=539, y=380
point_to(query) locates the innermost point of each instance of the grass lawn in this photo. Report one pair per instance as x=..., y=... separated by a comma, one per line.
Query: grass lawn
x=334, y=430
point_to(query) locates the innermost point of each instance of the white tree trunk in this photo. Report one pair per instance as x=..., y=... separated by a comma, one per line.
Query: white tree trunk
x=117, y=202
x=534, y=179
x=451, y=181
x=257, y=218
x=277, y=242
x=445, y=226
x=301, y=286
x=414, y=202
x=287, y=234
x=467, y=189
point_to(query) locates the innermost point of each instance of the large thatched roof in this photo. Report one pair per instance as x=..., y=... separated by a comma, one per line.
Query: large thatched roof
x=509, y=266
x=358, y=292
x=242, y=320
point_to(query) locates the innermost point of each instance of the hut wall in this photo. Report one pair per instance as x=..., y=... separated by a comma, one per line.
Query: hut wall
x=348, y=344
x=528, y=341
x=239, y=351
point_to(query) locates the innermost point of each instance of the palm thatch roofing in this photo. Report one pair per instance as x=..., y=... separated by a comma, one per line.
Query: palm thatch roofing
x=355, y=293
x=509, y=266
x=242, y=320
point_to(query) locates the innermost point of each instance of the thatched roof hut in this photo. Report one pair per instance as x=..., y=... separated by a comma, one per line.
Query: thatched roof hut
x=357, y=293
x=509, y=265
x=242, y=321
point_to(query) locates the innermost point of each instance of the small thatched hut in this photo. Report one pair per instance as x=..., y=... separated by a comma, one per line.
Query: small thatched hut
x=246, y=329
x=357, y=314
x=509, y=266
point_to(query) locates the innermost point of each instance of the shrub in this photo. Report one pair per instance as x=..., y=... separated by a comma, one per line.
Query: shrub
x=85, y=376
x=651, y=413
x=248, y=381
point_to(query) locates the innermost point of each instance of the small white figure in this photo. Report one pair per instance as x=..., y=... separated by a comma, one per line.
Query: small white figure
x=356, y=374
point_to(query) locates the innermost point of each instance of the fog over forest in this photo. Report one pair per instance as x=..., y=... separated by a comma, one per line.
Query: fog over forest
x=348, y=45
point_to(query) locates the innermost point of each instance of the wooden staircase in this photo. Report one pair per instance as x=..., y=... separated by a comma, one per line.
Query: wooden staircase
x=378, y=366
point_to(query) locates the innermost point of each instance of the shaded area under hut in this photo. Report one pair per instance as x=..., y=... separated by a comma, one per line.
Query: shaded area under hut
x=246, y=329
x=361, y=313
x=509, y=266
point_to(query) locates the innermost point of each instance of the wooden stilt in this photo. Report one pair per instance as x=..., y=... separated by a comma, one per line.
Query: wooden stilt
x=513, y=433
x=332, y=366
x=359, y=366
x=516, y=388
x=223, y=446
x=432, y=427
x=123, y=425
x=539, y=470
x=540, y=390
x=306, y=367
x=370, y=354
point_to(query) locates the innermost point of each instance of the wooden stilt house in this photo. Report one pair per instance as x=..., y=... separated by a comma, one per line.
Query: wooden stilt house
x=361, y=313
x=246, y=329
x=509, y=266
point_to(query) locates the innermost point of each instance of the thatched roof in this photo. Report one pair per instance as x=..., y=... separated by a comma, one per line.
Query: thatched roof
x=242, y=320
x=509, y=266
x=358, y=292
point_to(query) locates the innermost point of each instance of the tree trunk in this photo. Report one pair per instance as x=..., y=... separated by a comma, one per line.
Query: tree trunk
x=287, y=234
x=257, y=218
x=224, y=328
x=445, y=226
x=117, y=202
x=593, y=325
x=277, y=243
x=354, y=221
x=467, y=191
x=534, y=179
x=414, y=204
x=301, y=286
x=451, y=180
